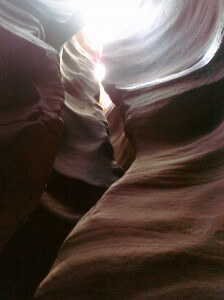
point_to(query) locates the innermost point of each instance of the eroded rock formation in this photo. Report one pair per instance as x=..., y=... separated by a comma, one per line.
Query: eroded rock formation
x=157, y=233
x=84, y=167
x=34, y=87
x=31, y=100
x=123, y=150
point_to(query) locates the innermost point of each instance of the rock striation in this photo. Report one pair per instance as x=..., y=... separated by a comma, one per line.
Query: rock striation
x=48, y=95
x=60, y=19
x=157, y=233
x=84, y=167
x=123, y=150
x=31, y=100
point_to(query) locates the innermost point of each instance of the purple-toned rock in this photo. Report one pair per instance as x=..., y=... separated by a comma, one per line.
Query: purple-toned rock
x=158, y=232
x=123, y=150
x=84, y=167
x=31, y=97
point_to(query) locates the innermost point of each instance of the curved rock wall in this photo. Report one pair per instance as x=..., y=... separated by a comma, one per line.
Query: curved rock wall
x=157, y=233
x=123, y=150
x=31, y=99
x=84, y=166
x=60, y=19
x=33, y=82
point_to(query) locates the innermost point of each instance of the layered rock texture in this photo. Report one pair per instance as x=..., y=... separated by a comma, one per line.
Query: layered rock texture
x=49, y=97
x=31, y=100
x=34, y=87
x=84, y=167
x=157, y=233
x=123, y=150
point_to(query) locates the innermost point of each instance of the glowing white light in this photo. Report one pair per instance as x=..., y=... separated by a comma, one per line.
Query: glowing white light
x=104, y=98
x=106, y=19
x=99, y=72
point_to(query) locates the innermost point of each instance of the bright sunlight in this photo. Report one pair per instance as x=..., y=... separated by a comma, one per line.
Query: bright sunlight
x=107, y=19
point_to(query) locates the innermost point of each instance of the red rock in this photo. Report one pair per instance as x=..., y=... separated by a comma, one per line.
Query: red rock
x=31, y=99
x=123, y=150
x=157, y=233
x=84, y=167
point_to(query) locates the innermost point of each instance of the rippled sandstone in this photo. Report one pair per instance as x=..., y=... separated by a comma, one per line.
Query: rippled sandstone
x=157, y=233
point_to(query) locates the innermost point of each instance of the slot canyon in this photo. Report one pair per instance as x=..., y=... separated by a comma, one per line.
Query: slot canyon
x=112, y=185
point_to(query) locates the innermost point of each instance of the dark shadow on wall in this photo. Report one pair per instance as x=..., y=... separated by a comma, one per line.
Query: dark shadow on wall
x=29, y=255
x=75, y=195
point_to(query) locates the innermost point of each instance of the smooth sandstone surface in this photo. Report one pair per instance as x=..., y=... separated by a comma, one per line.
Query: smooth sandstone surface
x=123, y=150
x=84, y=167
x=31, y=95
x=157, y=233
x=59, y=19
x=49, y=96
